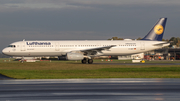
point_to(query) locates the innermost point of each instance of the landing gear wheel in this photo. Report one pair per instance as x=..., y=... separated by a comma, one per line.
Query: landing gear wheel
x=90, y=61
x=83, y=61
x=22, y=61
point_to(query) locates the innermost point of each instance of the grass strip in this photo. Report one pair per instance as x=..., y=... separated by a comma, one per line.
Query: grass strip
x=72, y=69
x=147, y=72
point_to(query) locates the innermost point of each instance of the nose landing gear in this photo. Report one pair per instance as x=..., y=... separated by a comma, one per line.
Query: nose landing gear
x=22, y=60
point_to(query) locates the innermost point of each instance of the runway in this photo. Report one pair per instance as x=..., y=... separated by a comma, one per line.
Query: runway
x=91, y=89
x=3, y=77
x=137, y=63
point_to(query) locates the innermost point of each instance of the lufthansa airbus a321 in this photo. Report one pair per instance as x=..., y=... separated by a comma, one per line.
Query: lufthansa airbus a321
x=86, y=50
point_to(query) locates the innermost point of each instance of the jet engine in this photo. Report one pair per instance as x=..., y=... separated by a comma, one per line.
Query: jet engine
x=74, y=56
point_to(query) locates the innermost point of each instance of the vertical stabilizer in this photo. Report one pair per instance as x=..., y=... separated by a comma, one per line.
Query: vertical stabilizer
x=156, y=33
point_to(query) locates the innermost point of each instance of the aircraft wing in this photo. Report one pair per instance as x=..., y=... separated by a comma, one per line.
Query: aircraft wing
x=99, y=49
x=91, y=50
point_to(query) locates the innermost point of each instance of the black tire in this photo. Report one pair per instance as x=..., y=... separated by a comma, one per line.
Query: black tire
x=90, y=61
x=83, y=61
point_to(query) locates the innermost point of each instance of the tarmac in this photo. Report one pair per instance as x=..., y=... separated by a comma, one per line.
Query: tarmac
x=137, y=63
x=91, y=89
x=3, y=77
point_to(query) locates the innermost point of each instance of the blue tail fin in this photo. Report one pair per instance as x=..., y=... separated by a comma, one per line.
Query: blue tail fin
x=156, y=33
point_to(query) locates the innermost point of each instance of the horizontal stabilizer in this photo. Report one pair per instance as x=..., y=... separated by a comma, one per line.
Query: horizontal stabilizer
x=162, y=44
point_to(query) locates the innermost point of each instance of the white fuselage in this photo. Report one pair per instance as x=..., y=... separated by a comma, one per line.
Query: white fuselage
x=58, y=48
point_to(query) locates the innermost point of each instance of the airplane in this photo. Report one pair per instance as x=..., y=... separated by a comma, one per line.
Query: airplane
x=86, y=50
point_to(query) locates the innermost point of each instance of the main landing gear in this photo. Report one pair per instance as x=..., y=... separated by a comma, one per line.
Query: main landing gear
x=84, y=61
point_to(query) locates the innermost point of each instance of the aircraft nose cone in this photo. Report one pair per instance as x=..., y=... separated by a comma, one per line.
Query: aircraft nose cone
x=5, y=51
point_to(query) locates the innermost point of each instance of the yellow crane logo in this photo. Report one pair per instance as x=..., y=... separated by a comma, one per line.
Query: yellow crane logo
x=158, y=29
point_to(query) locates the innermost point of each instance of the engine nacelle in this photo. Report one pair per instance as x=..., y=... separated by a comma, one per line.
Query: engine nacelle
x=74, y=56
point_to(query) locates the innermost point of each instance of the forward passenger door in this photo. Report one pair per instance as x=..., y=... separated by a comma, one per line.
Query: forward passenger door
x=23, y=46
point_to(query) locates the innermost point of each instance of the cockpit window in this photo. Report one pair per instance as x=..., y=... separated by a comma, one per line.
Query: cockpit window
x=12, y=46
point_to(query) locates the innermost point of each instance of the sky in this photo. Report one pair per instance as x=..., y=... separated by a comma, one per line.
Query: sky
x=84, y=19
